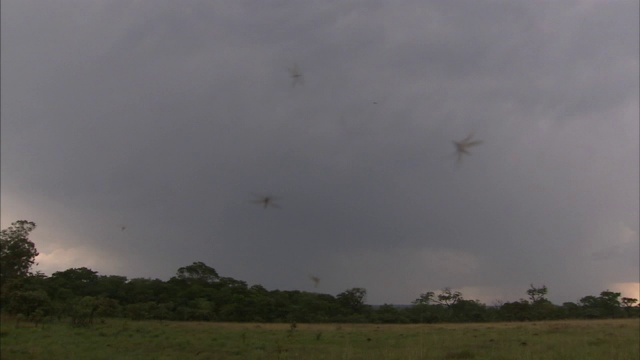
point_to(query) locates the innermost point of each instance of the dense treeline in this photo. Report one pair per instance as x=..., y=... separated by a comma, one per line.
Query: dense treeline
x=198, y=293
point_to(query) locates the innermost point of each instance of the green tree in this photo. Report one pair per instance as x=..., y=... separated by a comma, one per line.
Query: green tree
x=448, y=298
x=541, y=307
x=81, y=281
x=516, y=311
x=537, y=294
x=353, y=299
x=28, y=302
x=423, y=313
x=545, y=310
x=197, y=272
x=83, y=310
x=605, y=305
x=111, y=286
x=469, y=310
x=610, y=302
x=628, y=303
x=140, y=290
x=431, y=308
x=17, y=252
x=570, y=310
x=388, y=314
x=424, y=299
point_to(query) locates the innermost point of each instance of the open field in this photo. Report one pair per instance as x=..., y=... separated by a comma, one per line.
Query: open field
x=124, y=339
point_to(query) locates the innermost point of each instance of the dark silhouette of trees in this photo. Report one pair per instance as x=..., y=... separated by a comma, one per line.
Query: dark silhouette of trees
x=198, y=272
x=425, y=298
x=198, y=292
x=537, y=294
x=80, y=281
x=448, y=298
x=469, y=311
x=606, y=305
x=17, y=252
x=516, y=311
x=29, y=303
x=353, y=300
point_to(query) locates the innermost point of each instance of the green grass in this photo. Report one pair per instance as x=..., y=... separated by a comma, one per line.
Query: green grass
x=124, y=339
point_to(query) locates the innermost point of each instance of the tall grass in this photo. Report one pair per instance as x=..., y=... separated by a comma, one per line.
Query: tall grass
x=124, y=339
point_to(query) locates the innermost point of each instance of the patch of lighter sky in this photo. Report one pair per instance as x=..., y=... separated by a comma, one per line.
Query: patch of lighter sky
x=627, y=289
x=60, y=259
x=59, y=247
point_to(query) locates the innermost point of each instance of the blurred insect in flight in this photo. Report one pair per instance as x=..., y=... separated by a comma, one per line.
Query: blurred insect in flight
x=296, y=75
x=315, y=279
x=266, y=201
x=462, y=147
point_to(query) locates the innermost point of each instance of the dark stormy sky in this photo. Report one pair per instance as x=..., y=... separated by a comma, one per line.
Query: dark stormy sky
x=170, y=117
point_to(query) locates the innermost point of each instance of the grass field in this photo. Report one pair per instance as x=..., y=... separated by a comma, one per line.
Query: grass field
x=124, y=339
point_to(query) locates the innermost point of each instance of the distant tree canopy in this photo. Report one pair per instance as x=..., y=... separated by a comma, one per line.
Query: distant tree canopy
x=353, y=299
x=537, y=295
x=448, y=298
x=198, y=292
x=198, y=272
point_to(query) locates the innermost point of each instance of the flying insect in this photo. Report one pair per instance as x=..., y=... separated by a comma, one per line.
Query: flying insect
x=266, y=201
x=462, y=147
x=296, y=75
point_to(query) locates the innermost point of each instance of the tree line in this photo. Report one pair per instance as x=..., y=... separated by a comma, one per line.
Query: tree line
x=198, y=293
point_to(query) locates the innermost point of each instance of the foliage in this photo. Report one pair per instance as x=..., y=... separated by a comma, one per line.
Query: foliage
x=198, y=293
x=353, y=300
x=198, y=272
x=29, y=303
x=82, y=294
x=516, y=311
x=425, y=298
x=606, y=305
x=17, y=252
x=537, y=294
x=448, y=298
x=80, y=281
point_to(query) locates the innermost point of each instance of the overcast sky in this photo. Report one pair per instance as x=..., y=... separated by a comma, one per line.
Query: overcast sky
x=169, y=117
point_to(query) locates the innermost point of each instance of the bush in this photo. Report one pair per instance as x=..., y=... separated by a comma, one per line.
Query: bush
x=29, y=302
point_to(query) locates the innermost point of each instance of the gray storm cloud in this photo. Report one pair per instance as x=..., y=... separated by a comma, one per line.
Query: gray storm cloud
x=166, y=117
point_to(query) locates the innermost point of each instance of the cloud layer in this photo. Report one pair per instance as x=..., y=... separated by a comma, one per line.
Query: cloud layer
x=168, y=116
